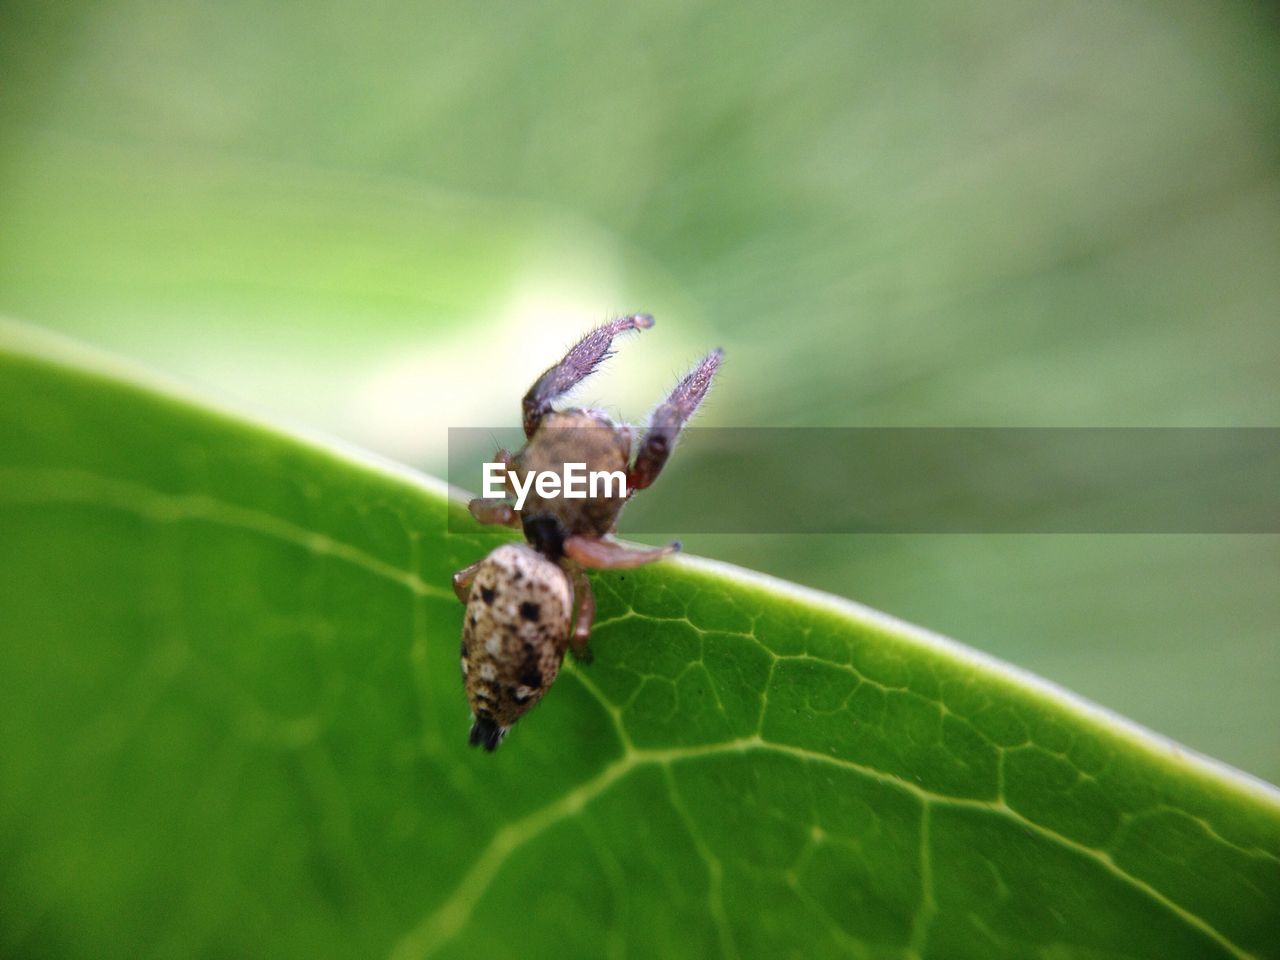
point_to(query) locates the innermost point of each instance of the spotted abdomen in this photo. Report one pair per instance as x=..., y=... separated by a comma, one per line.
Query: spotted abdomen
x=514, y=637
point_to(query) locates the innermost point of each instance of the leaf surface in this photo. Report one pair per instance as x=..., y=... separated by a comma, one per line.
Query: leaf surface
x=888, y=214
x=231, y=723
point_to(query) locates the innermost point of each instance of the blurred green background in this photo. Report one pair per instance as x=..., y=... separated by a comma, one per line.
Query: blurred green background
x=382, y=220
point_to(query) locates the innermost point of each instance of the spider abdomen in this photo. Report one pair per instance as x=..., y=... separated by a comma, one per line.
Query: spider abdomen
x=514, y=637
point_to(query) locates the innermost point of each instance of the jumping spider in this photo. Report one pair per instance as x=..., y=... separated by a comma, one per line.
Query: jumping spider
x=519, y=619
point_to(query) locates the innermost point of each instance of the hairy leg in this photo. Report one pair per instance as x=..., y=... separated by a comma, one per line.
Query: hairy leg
x=495, y=512
x=503, y=457
x=610, y=555
x=462, y=580
x=667, y=421
x=583, y=358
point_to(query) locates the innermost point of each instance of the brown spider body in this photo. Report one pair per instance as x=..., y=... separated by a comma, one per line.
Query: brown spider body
x=520, y=616
x=576, y=436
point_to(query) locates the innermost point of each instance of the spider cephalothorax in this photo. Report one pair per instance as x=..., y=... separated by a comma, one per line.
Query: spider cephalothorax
x=520, y=598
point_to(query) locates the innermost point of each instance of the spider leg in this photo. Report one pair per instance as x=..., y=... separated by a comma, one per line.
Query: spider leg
x=504, y=459
x=586, y=616
x=462, y=580
x=600, y=554
x=581, y=360
x=496, y=512
x=667, y=421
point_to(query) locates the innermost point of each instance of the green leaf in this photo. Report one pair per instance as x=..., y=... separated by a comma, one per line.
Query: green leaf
x=232, y=724
x=889, y=214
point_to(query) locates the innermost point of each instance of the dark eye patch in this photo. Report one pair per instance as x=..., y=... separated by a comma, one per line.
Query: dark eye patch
x=530, y=611
x=487, y=594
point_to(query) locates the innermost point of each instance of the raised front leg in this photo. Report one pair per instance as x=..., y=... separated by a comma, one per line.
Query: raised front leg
x=667, y=420
x=610, y=555
x=586, y=616
x=583, y=358
x=462, y=580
